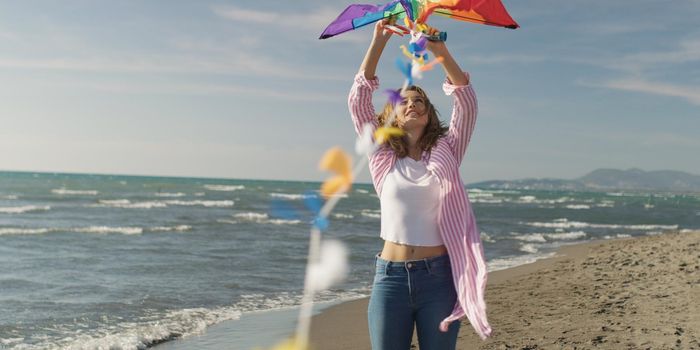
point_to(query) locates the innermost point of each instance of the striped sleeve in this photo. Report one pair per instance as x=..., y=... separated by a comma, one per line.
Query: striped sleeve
x=463, y=117
x=360, y=102
x=362, y=113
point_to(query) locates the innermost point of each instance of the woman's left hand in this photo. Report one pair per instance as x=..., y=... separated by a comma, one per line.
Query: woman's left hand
x=436, y=47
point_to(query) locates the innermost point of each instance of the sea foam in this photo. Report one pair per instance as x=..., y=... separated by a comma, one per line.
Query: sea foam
x=565, y=224
x=23, y=209
x=224, y=188
x=65, y=191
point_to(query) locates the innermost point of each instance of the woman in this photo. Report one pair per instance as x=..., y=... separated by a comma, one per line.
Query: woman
x=431, y=271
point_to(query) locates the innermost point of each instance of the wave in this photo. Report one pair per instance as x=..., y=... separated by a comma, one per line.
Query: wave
x=108, y=229
x=361, y=191
x=375, y=214
x=178, y=228
x=9, y=197
x=292, y=196
x=478, y=190
x=262, y=218
x=527, y=199
x=479, y=194
x=565, y=224
x=224, y=188
x=220, y=204
x=160, y=327
x=578, y=206
x=566, y=235
x=512, y=261
x=23, y=231
x=169, y=194
x=65, y=191
x=142, y=333
x=127, y=204
x=23, y=209
x=619, y=235
x=126, y=230
x=529, y=248
x=486, y=200
x=343, y=216
x=531, y=237
x=486, y=237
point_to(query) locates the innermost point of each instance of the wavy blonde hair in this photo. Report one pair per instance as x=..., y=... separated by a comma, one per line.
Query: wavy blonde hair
x=432, y=132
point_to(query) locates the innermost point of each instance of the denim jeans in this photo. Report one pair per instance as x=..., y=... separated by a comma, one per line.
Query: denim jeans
x=408, y=293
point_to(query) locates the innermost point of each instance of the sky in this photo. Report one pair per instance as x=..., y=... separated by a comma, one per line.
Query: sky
x=244, y=89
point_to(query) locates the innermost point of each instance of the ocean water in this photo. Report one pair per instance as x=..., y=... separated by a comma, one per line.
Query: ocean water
x=125, y=262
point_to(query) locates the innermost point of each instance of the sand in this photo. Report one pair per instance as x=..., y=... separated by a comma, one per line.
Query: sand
x=640, y=293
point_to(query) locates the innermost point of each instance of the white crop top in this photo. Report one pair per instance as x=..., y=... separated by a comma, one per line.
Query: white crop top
x=409, y=205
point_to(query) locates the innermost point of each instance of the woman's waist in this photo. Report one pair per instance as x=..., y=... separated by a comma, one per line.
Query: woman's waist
x=396, y=252
x=434, y=263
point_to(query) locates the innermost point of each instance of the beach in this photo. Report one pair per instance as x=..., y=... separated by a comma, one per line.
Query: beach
x=632, y=293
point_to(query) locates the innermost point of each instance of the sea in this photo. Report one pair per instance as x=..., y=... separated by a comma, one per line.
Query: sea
x=126, y=262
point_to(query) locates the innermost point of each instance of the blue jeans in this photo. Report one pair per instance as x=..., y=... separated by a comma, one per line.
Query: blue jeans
x=408, y=293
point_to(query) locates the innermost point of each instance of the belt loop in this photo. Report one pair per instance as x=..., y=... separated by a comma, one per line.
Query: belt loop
x=427, y=266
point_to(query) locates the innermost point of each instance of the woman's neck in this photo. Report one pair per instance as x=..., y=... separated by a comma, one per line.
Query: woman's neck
x=414, y=150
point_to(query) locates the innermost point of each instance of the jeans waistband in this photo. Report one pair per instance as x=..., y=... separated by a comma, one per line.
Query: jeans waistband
x=418, y=264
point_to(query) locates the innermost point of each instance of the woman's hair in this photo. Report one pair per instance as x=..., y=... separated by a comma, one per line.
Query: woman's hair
x=433, y=130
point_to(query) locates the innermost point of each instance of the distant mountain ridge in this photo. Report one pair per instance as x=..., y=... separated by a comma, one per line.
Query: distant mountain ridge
x=607, y=179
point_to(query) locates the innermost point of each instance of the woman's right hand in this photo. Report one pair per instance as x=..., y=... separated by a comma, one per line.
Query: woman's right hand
x=382, y=35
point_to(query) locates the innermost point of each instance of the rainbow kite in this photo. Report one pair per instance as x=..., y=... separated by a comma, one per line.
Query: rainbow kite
x=491, y=12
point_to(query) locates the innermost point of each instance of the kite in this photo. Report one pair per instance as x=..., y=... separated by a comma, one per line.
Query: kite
x=490, y=12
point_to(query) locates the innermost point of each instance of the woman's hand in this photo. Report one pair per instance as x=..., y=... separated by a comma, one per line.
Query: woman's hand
x=438, y=48
x=452, y=69
x=382, y=35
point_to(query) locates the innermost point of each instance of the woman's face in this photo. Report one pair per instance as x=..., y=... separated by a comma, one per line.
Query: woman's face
x=412, y=112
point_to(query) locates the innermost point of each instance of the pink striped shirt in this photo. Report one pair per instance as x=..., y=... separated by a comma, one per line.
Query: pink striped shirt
x=455, y=219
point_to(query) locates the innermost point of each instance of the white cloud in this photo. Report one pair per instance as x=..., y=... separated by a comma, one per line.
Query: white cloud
x=506, y=58
x=234, y=63
x=306, y=23
x=310, y=21
x=688, y=51
x=208, y=89
x=690, y=93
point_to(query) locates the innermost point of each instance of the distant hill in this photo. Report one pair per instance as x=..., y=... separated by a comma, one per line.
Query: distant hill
x=608, y=179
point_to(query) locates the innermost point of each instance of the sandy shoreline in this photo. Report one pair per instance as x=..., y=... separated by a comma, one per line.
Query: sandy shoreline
x=640, y=293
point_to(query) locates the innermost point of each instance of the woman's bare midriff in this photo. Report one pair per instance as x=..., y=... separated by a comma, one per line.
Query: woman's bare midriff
x=402, y=252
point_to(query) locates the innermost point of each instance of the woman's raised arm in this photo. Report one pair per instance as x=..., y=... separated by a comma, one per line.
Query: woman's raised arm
x=465, y=106
x=360, y=98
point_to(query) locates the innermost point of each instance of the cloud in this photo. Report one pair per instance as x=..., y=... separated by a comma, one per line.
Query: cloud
x=311, y=22
x=687, y=51
x=314, y=20
x=233, y=63
x=506, y=58
x=206, y=89
x=689, y=93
